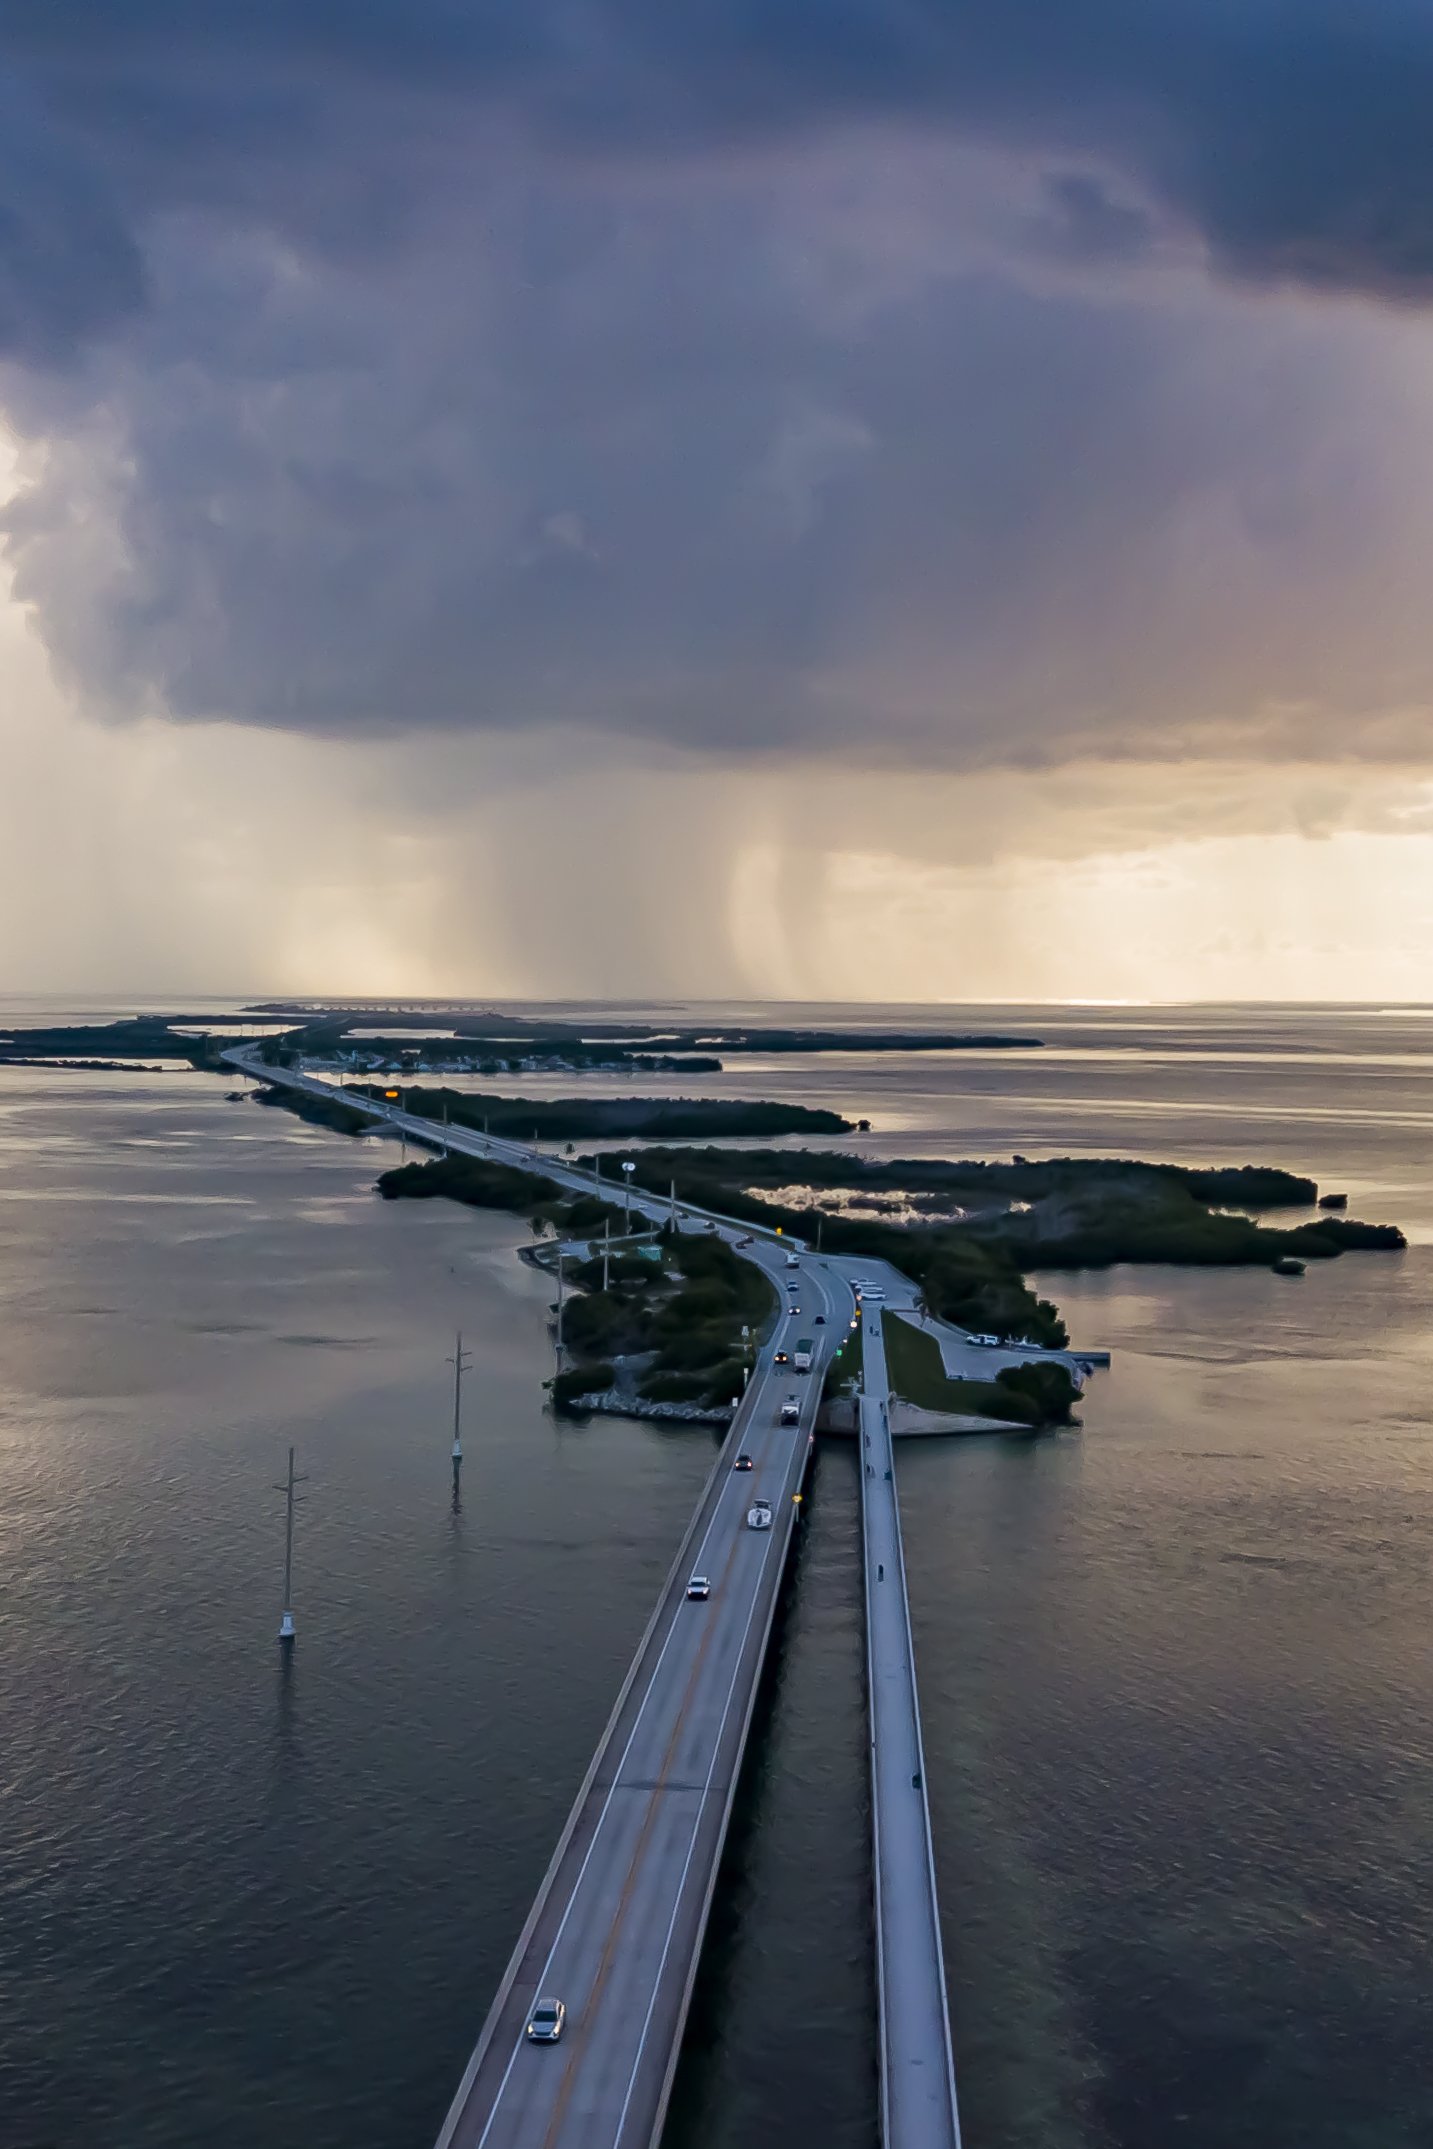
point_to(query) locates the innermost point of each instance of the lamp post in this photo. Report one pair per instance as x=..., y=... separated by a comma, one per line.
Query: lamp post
x=627, y=1170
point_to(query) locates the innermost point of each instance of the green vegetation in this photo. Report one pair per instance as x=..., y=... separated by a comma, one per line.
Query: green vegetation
x=491, y=1056
x=559, y=1119
x=1047, y=1388
x=1173, y=1226
x=136, y=1037
x=482, y=1185
x=483, y=1027
x=973, y=1184
x=319, y=1111
x=685, y=1318
x=918, y=1375
x=586, y=1379
x=1064, y=1213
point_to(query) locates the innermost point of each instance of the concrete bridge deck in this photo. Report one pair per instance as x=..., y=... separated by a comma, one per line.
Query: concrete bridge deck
x=918, y=2100
x=617, y=1926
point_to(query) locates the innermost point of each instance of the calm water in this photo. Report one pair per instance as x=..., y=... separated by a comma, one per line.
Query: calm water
x=1174, y=1668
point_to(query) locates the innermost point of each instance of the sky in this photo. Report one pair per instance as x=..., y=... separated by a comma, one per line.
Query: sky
x=873, y=499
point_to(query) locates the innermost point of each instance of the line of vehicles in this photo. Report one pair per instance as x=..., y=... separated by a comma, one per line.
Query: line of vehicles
x=548, y=2019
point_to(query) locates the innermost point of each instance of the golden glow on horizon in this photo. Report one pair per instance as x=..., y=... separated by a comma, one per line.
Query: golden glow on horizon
x=218, y=857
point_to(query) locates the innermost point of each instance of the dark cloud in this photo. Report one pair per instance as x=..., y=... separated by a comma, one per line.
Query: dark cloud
x=1293, y=132
x=687, y=371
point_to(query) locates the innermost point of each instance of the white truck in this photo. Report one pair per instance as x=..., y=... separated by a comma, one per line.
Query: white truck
x=790, y=1413
x=802, y=1355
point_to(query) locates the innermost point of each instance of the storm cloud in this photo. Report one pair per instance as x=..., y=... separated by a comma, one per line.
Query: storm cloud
x=929, y=382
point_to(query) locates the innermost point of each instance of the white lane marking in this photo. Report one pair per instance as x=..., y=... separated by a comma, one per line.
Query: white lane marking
x=597, y=1831
x=691, y=1853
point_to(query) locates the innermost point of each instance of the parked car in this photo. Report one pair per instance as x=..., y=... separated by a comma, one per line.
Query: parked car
x=547, y=2022
x=699, y=1586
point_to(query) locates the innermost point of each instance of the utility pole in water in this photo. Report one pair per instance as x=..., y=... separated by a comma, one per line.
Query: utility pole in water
x=287, y=1629
x=460, y=1361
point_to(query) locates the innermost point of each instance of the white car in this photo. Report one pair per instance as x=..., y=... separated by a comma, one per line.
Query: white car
x=546, y=2022
x=986, y=1343
x=699, y=1587
x=758, y=1515
x=793, y=1261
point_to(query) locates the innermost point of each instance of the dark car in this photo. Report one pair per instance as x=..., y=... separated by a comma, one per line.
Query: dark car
x=743, y=1462
x=781, y=1358
x=819, y=1319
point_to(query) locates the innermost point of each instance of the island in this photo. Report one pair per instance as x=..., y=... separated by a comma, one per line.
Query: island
x=970, y=1234
x=483, y=1040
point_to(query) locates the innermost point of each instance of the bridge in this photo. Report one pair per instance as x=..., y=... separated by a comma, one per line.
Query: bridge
x=616, y=1929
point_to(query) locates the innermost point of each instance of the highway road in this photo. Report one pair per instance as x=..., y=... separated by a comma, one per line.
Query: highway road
x=617, y=1926
x=918, y=2101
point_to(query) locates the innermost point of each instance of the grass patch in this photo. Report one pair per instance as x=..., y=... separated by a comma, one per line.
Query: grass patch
x=847, y=1365
x=918, y=1376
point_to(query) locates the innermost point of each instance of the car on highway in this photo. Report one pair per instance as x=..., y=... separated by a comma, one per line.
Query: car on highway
x=874, y=1291
x=793, y=1261
x=793, y=1309
x=699, y=1586
x=819, y=1319
x=781, y=1358
x=547, y=2022
x=758, y=1515
x=790, y=1411
x=743, y=1462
